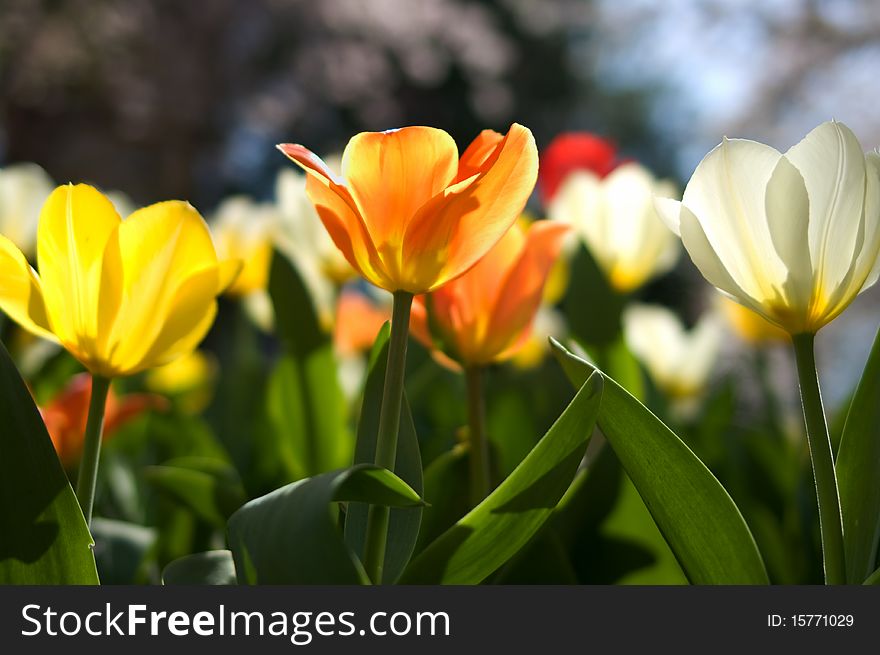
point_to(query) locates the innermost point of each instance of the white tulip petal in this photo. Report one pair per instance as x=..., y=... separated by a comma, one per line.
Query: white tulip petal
x=788, y=215
x=832, y=164
x=726, y=194
x=871, y=248
x=668, y=210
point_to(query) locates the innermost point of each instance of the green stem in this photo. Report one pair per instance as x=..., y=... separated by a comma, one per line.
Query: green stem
x=88, y=466
x=478, y=454
x=389, y=425
x=830, y=524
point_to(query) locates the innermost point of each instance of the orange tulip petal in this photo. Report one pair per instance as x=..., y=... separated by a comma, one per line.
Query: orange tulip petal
x=392, y=174
x=473, y=159
x=452, y=232
x=520, y=295
x=339, y=214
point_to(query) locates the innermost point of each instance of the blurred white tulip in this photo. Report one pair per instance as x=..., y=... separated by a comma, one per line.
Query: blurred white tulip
x=23, y=190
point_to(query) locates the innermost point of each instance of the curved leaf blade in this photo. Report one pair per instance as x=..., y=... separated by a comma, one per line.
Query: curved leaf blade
x=305, y=404
x=290, y=535
x=214, y=567
x=495, y=530
x=696, y=515
x=44, y=538
x=404, y=523
x=858, y=470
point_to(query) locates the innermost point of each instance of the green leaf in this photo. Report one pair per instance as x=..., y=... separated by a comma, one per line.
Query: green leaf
x=495, y=530
x=583, y=300
x=290, y=535
x=121, y=549
x=447, y=472
x=858, y=472
x=43, y=535
x=696, y=515
x=209, y=487
x=305, y=404
x=214, y=567
x=403, y=527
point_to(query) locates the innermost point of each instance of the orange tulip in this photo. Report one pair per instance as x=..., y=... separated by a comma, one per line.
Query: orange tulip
x=408, y=213
x=65, y=416
x=486, y=315
x=358, y=321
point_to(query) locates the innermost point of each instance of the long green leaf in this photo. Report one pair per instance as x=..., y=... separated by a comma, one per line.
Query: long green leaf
x=858, y=473
x=43, y=536
x=501, y=525
x=214, y=567
x=305, y=404
x=290, y=535
x=403, y=527
x=696, y=515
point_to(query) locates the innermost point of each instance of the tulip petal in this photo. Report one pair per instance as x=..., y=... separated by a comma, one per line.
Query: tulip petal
x=520, y=295
x=76, y=224
x=339, y=214
x=832, y=164
x=474, y=157
x=669, y=211
x=788, y=216
x=452, y=232
x=20, y=295
x=871, y=249
x=727, y=195
x=160, y=249
x=392, y=174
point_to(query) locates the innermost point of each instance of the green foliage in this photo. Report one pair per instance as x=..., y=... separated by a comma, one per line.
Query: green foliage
x=495, y=530
x=43, y=535
x=214, y=567
x=697, y=517
x=403, y=526
x=858, y=473
x=290, y=536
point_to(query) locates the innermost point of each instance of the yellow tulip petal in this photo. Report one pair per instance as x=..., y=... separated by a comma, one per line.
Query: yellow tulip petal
x=76, y=224
x=20, y=295
x=451, y=233
x=161, y=248
x=188, y=320
x=392, y=174
x=228, y=271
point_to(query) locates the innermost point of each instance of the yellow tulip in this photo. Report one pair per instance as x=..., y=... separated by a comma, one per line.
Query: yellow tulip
x=243, y=230
x=795, y=236
x=616, y=219
x=121, y=296
x=408, y=213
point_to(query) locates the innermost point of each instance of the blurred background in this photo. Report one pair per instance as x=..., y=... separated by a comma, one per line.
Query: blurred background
x=165, y=99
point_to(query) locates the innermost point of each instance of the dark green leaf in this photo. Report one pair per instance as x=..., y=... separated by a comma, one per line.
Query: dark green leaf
x=290, y=535
x=591, y=305
x=403, y=527
x=858, y=472
x=209, y=487
x=43, y=536
x=447, y=472
x=214, y=567
x=305, y=404
x=121, y=549
x=501, y=525
x=696, y=515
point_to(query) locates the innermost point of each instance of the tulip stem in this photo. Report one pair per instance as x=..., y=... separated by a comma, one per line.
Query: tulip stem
x=830, y=523
x=88, y=466
x=478, y=454
x=389, y=425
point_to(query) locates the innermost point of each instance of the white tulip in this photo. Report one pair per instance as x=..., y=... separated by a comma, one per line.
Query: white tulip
x=23, y=190
x=679, y=361
x=793, y=236
x=616, y=219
